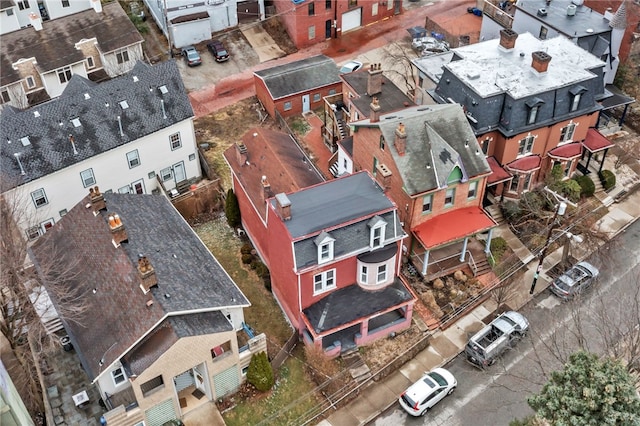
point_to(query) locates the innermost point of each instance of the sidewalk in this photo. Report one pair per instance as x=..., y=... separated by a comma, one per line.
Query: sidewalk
x=446, y=345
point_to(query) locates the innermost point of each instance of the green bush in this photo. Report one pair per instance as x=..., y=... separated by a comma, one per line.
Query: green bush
x=260, y=268
x=267, y=282
x=570, y=189
x=608, y=179
x=247, y=259
x=260, y=373
x=587, y=187
x=510, y=210
x=555, y=175
x=232, y=209
x=246, y=248
x=498, y=247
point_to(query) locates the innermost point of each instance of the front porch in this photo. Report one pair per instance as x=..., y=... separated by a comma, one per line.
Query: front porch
x=446, y=260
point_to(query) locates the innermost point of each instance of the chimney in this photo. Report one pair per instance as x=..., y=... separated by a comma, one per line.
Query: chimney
x=36, y=21
x=508, y=38
x=283, y=206
x=540, y=61
x=118, y=232
x=401, y=139
x=383, y=176
x=241, y=153
x=147, y=274
x=375, y=110
x=266, y=188
x=97, y=200
x=374, y=82
x=97, y=5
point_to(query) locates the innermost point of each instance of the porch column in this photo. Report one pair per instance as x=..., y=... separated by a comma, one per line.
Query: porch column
x=464, y=249
x=487, y=245
x=364, y=328
x=604, y=155
x=425, y=262
x=624, y=113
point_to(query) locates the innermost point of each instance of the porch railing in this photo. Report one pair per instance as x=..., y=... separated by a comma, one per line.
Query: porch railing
x=439, y=267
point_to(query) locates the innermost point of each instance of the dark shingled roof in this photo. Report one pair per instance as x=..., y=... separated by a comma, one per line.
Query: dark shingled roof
x=189, y=278
x=5, y=4
x=54, y=45
x=437, y=135
x=391, y=98
x=49, y=125
x=300, y=76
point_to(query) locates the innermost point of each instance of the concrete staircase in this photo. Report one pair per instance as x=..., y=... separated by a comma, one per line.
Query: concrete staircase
x=357, y=368
x=121, y=417
x=496, y=213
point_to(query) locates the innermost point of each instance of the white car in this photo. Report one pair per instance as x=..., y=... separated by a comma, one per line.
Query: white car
x=428, y=391
x=350, y=67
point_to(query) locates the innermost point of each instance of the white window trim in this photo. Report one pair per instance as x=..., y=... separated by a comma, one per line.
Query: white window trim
x=364, y=274
x=324, y=281
x=90, y=62
x=43, y=196
x=113, y=376
x=570, y=131
x=533, y=114
x=474, y=185
x=575, y=102
x=327, y=242
x=175, y=138
x=121, y=54
x=137, y=157
x=43, y=225
x=377, y=224
x=453, y=197
x=164, y=176
x=384, y=273
x=522, y=150
x=430, y=198
x=33, y=81
x=287, y=106
x=92, y=176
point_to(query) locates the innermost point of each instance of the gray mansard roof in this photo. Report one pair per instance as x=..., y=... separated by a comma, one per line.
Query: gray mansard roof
x=97, y=107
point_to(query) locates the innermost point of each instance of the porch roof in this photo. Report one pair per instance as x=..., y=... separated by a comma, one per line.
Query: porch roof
x=571, y=150
x=596, y=141
x=525, y=164
x=498, y=173
x=452, y=226
x=346, y=305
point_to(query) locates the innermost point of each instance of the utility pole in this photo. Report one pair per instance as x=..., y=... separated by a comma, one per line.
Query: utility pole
x=562, y=207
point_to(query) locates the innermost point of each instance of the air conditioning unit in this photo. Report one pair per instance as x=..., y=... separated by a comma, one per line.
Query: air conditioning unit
x=542, y=12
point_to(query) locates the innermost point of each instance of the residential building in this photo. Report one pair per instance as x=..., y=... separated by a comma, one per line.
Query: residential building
x=132, y=134
x=333, y=248
x=23, y=13
x=309, y=22
x=156, y=317
x=530, y=103
x=297, y=87
x=186, y=22
x=12, y=409
x=39, y=61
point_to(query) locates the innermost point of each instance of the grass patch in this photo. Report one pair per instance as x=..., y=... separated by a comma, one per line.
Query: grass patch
x=299, y=126
x=287, y=402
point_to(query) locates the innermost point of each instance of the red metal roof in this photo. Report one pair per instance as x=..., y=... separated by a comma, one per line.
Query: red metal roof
x=596, y=141
x=525, y=164
x=452, y=226
x=570, y=150
x=498, y=173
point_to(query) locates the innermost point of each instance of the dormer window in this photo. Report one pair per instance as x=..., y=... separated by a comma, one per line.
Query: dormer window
x=324, y=242
x=376, y=236
x=576, y=94
x=534, y=106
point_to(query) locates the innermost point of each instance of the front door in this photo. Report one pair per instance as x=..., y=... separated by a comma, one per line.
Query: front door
x=305, y=103
x=178, y=172
x=327, y=28
x=138, y=187
x=397, y=7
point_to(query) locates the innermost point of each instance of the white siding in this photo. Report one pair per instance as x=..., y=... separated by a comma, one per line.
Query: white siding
x=52, y=83
x=8, y=22
x=55, y=9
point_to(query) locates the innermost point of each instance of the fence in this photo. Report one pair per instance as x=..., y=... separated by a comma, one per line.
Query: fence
x=279, y=359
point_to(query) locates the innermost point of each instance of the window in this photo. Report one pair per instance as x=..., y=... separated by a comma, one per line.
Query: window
x=62, y=212
x=23, y=4
x=485, y=145
x=575, y=102
x=324, y=242
x=526, y=145
x=39, y=198
x=124, y=190
x=151, y=175
x=374, y=9
x=64, y=74
x=87, y=178
x=192, y=157
x=316, y=97
x=332, y=91
x=527, y=182
x=165, y=174
x=118, y=375
x=287, y=105
x=31, y=82
x=5, y=98
x=567, y=168
x=376, y=235
x=381, y=276
x=533, y=113
x=65, y=3
x=220, y=351
x=324, y=281
x=122, y=56
x=364, y=274
x=9, y=12
x=327, y=4
x=543, y=33
x=566, y=134
x=449, y=197
x=473, y=190
x=353, y=3
x=46, y=225
x=133, y=159
x=152, y=385
x=426, y=203
x=90, y=63
x=514, y=183
x=312, y=32
x=175, y=141
x=312, y=9
x=382, y=142
x=375, y=166
x=33, y=232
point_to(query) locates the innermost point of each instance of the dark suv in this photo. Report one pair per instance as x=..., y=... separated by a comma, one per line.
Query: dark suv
x=219, y=52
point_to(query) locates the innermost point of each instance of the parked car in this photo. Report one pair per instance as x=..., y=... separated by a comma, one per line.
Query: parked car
x=218, y=51
x=484, y=347
x=350, y=66
x=428, y=391
x=574, y=281
x=191, y=55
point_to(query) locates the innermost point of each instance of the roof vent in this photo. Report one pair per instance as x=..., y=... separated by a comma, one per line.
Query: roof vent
x=135, y=79
x=124, y=104
x=76, y=122
x=25, y=141
x=163, y=89
x=542, y=12
x=472, y=75
x=571, y=10
x=87, y=96
x=36, y=113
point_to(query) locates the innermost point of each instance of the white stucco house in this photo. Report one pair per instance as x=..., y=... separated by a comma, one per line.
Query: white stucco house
x=16, y=14
x=132, y=134
x=39, y=60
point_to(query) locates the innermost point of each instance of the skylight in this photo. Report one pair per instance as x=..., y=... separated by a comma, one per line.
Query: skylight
x=163, y=89
x=25, y=141
x=76, y=122
x=124, y=104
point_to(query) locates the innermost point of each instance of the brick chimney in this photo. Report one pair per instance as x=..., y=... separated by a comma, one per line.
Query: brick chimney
x=97, y=200
x=241, y=153
x=383, y=176
x=283, y=206
x=400, y=141
x=97, y=5
x=118, y=231
x=540, y=61
x=508, y=38
x=147, y=274
x=375, y=110
x=374, y=82
x=36, y=21
x=266, y=188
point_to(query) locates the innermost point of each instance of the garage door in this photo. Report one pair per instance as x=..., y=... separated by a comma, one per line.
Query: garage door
x=351, y=20
x=226, y=382
x=161, y=413
x=248, y=11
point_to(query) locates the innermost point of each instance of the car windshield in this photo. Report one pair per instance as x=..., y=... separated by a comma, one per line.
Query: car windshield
x=222, y=52
x=438, y=378
x=192, y=54
x=410, y=402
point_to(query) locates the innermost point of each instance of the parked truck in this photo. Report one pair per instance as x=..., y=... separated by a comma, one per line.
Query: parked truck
x=489, y=343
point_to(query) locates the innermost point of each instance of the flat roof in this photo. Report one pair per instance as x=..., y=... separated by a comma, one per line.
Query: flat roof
x=585, y=22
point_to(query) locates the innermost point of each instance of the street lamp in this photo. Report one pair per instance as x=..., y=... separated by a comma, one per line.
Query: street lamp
x=565, y=251
x=562, y=207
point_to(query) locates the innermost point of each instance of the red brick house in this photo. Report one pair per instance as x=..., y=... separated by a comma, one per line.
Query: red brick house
x=297, y=87
x=333, y=249
x=310, y=22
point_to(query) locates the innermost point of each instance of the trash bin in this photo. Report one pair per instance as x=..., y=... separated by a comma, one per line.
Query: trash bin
x=65, y=341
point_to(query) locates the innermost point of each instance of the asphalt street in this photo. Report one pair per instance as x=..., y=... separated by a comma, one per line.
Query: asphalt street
x=498, y=395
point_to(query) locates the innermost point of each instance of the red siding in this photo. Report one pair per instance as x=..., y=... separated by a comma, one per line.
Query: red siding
x=251, y=221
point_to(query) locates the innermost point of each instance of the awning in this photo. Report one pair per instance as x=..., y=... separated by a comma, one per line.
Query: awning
x=596, y=141
x=525, y=164
x=568, y=151
x=452, y=226
x=498, y=173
